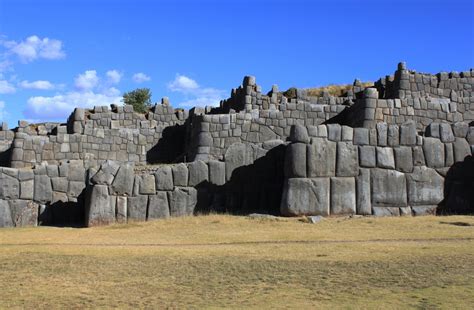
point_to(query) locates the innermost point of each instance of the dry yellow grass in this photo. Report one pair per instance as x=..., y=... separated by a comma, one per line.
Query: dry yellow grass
x=221, y=261
x=334, y=89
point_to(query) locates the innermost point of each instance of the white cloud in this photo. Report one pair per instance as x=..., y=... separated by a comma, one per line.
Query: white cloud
x=86, y=81
x=6, y=87
x=114, y=76
x=60, y=106
x=41, y=85
x=140, y=77
x=111, y=92
x=34, y=48
x=5, y=65
x=2, y=110
x=194, y=94
x=183, y=83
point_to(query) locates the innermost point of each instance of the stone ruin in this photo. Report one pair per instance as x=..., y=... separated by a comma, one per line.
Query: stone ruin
x=400, y=147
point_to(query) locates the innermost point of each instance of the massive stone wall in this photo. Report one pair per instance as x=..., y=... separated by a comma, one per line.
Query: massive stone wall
x=401, y=147
x=100, y=134
x=6, y=140
x=389, y=171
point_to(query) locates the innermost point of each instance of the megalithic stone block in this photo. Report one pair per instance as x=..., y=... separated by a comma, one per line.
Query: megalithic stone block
x=5, y=214
x=425, y=187
x=182, y=201
x=303, y=196
x=388, y=188
x=347, y=160
x=363, y=203
x=321, y=158
x=99, y=210
x=295, y=160
x=123, y=182
x=158, y=206
x=24, y=212
x=343, y=195
x=433, y=150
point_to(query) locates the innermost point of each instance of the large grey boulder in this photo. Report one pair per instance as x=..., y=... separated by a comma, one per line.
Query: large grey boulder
x=305, y=197
x=385, y=158
x=347, y=133
x=460, y=129
x=146, y=184
x=295, y=160
x=425, y=187
x=216, y=172
x=9, y=187
x=343, y=196
x=60, y=184
x=367, y=156
x=385, y=211
x=198, y=173
x=237, y=155
x=27, y=189
x=403, y=158
x=43, y=192
x=5, y=214
x=158, y=206
x=393, y=135
x=461, y=149
x=424, y=210
x=321, y=158
x=24, y=212
x=182, y=201
x=136, y=208
x=361, y=136
x=76, y=171
x=433, y=150
x=180, y=174
x=408, y=133
x=347, y=160
x=299, y=133
x=121, y=209
x=106, y=173
x=388, y=188
x=334, y=132
x=382, y=130
x=446, y=133
x=75, y=189
x=363, y=202
x=164, y=178
x=123, y=182
x=99, y=210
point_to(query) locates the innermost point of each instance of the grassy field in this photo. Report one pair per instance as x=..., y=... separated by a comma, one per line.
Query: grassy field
x=221, y=261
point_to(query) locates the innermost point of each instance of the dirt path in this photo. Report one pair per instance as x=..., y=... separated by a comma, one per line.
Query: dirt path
x=242, y=243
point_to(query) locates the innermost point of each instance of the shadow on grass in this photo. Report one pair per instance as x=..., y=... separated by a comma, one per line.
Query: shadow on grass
x=464, y=224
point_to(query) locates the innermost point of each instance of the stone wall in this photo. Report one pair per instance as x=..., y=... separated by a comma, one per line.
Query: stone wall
x=100, y=134
x=401, y=147
x=367, y=112
x=252, y=117
x=6, y=140
x=390, y=170
x=47, y=194
x=248, y=180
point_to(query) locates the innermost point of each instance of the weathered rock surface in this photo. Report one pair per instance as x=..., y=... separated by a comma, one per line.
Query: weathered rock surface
x=99, y=210
x=306, y=197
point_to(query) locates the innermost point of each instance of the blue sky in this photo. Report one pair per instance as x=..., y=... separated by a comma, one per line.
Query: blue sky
x=58, y=54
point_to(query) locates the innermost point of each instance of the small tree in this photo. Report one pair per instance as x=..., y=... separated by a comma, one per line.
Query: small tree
x=139, y=98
